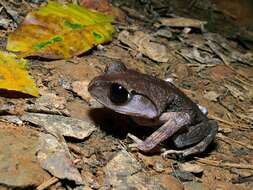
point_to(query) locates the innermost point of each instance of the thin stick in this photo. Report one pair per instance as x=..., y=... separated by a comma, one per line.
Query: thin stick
x=229, y=140
x=232, y=124
x=224, y=165
x=197, y=65
x=246, y=83
x=47, y=183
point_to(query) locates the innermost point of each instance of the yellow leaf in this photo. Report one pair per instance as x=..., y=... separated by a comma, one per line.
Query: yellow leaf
x=14, y=75
x=60, y=31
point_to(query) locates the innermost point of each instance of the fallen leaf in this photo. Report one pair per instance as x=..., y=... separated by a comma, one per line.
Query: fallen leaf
x=55, y=157
x=65, y=126
x=14, y=76
x=60, y=31
x=143, y=43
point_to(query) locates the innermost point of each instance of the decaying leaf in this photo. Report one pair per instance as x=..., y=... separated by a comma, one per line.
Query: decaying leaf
x=144, y=43
x=60, y=31
x=65, y=126
x=14, y=76
x=55, y=157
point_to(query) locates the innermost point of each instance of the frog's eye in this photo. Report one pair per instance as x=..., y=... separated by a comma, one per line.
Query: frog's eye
x=118, y=94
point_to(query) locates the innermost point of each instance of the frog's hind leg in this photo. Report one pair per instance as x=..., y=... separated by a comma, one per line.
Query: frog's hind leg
x=199, y=147
x=191, y=134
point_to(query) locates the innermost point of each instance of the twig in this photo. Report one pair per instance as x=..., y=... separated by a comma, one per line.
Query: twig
x=47, y=183
x=240, y=74
x=232, y=124
x=246, y=83
x=223, y=164
x=229, y=140
x=197, y=65
x=238, y=83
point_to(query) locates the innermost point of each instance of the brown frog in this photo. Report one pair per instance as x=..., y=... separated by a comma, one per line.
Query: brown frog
x=152, y=101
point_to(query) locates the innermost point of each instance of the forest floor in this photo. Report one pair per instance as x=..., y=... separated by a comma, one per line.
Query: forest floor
x=214, y=71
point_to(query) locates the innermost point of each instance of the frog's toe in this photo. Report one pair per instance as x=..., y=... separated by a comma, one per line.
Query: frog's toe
x=134, y=138
x=137, y=142
x=133, y=147
x=166, y=153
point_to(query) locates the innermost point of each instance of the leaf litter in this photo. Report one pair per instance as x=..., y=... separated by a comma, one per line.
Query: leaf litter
x=219, y=75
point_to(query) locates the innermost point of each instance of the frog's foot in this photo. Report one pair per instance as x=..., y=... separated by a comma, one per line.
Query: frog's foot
x=138, y=143
x=135, y=139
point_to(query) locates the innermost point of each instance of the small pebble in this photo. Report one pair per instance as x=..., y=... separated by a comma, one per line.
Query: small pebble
x=193, y=168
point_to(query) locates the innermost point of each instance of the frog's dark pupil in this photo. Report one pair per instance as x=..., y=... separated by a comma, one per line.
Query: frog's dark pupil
x=118, y=94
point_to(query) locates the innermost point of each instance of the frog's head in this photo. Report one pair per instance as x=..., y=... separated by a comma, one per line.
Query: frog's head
x=123, y=91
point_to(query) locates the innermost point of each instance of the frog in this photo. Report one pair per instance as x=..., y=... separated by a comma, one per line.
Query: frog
x=151, y=101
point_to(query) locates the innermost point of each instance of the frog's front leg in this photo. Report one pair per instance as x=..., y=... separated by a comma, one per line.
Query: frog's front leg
x=173, y=121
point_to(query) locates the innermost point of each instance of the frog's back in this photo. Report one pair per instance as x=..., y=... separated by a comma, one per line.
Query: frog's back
x=165, y=94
